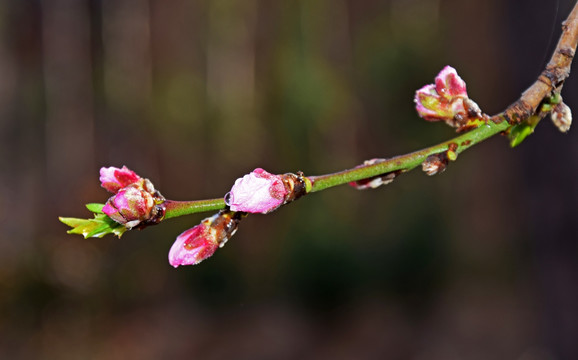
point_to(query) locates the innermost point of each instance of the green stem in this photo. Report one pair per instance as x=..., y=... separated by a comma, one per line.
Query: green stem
x=409, y=161
x=180, y=208
x=403, y=162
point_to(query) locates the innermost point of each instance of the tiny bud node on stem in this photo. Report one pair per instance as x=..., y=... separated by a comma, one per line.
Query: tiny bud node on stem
x=561, y=116
x=374, y=181
x=435, y=164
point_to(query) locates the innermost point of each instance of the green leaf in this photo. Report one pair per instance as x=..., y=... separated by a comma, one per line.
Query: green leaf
x=95, y=208
x=97, y=227
x=519, y=132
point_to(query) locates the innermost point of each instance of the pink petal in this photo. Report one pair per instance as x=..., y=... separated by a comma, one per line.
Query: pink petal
x=130, y=204
x=108, y=209
x=193, y=246
x=121, y=200
x=257, y=192
x=449, y=84
x=427, y=103
x=113, y=179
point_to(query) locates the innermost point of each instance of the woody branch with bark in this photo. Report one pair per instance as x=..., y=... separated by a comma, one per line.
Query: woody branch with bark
x=136, y=203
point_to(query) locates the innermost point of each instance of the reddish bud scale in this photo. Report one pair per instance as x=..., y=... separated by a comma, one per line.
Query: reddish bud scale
x=295, y=186
x=225, y=225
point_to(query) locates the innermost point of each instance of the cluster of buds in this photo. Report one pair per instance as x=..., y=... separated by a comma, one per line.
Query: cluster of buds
x=256, y=192
x=262, y=192
x=135, y=201
x=447, y=100
x=200, y=242
x=374, y=181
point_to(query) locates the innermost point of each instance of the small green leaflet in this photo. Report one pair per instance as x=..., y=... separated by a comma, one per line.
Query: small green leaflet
x=519, y=132
x=95, y=208
x=97, y=227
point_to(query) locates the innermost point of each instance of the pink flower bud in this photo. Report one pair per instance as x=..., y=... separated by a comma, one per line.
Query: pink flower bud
x=446, y=100
x=449, y=84
x=257, y=192
x=130, y=206
x=113, y=179
x=193, y=246
x=201, y=241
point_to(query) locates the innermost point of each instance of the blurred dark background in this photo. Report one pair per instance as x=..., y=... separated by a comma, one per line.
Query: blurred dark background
x=480, y=262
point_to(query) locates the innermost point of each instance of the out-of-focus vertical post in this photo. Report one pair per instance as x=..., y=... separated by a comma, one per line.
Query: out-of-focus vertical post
x=231, y=77
x=67, y=66
x=127, y=74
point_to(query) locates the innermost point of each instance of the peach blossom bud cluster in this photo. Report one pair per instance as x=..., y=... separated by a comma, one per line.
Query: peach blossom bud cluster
x=135, y=201
x=446, y=100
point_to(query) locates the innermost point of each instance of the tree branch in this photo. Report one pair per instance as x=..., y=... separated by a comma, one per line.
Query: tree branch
x=549, y=82
x=537, y=101
x=551, y=79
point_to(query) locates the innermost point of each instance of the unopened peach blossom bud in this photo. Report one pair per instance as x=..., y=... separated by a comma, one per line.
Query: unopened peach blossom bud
x=262, y=192
x=113, y=179
x=201, y=241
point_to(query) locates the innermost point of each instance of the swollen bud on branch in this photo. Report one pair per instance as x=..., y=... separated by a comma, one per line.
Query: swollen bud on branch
x=262, y=192
x=374, y=181
x=437, y=163
x=200, y=242
x=561, y=117
x=447, y=100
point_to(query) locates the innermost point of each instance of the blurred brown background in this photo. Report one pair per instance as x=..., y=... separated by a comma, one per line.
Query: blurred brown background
x=480, y=262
